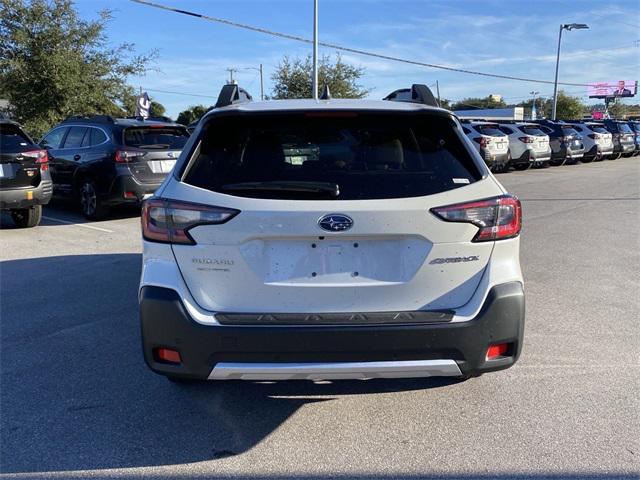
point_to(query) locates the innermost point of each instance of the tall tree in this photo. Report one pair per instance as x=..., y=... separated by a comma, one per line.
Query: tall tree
x=54, y=64
x=157, y=109
x=568, y=107
x=192, y=114
x=292, y=78
x=475, y=102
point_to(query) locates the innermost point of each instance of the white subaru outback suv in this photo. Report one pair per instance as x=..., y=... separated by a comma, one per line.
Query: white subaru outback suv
x=330, y=239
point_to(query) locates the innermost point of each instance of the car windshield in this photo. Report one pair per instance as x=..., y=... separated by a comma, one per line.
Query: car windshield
x=568, y=131
x=531, y=130
x=348, y=157
x=490, y=130
x=156, y=137
x=598, y=129
x=11, y=137
x=624, y=128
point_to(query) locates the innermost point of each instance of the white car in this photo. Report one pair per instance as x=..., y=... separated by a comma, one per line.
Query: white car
x=598, y=142
x=330, y=239
x=527, y=143
x=491, y=143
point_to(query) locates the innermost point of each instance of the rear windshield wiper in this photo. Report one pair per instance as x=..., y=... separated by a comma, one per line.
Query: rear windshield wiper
x=332, y=189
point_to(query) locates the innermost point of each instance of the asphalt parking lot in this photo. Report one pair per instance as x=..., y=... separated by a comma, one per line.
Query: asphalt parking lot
x=77, y=399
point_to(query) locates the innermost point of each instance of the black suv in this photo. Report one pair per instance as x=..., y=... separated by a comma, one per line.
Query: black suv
x=623, y=137
x=25, y=182
x=566, y=143
x=103, y=161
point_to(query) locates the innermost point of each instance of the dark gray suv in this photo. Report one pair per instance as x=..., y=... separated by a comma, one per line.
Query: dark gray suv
x=102, y=161
x=25, y=181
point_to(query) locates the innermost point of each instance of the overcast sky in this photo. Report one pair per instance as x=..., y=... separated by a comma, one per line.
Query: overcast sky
x=507, y=37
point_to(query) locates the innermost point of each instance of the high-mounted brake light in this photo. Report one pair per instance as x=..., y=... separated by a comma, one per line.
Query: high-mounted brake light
x=497, y=218
x=40, y=156
x=124, y=156
x=169, y=221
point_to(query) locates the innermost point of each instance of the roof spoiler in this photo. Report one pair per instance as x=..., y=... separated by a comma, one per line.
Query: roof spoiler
x=159, y=118
x=93, y=118
x=418, y=93
x=232, y=94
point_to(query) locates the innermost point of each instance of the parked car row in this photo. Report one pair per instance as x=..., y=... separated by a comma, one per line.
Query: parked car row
x=99, y=161
x=540, y=143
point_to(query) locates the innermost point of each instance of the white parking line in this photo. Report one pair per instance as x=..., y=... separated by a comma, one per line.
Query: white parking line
x=78, y=224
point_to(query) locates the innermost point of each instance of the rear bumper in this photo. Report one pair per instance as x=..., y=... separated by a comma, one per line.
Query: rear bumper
x=26, y=197
x=568, y=153
x=294, y=351
x=127, y=183
x=623, y=147
x=491, y=158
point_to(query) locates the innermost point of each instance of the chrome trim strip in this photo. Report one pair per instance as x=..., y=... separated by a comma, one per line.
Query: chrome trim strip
x=334, y=370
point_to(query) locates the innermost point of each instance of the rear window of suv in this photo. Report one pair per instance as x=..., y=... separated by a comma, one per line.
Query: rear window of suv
x=156, y=138
x=489, y=130
x=531, y=130
x=325, y=156
x=11, y=137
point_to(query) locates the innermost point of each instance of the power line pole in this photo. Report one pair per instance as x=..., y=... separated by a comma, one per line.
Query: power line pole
x=231, y=81
x=438, y=91
x=314, y=80
x=261, y=85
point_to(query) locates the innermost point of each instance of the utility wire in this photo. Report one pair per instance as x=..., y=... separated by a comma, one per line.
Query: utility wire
x=348, y=49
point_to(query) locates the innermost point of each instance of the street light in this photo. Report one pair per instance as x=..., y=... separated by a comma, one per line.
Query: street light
x=261, y=82
x=568, y=26
x=533, y=107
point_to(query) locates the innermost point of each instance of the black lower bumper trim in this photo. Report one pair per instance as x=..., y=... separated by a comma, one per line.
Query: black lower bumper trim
x=315, y=319
x=166, y=323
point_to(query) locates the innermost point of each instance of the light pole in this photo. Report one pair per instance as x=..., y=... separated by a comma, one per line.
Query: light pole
x=569, y=27
x=533, y=106
x=314, y=80
x=261, y=82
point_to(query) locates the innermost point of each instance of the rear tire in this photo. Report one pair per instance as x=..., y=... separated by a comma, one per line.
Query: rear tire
x=522, y=166
x=587, y=159
x=27, y=217
x=615, y=156
x=90, y=204
x=558, y=163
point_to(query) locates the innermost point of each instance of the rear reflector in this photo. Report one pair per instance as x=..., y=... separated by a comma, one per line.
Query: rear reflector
x=169, y=221
x=497, y=218
x=130, y=195
x=167, y=355
x=498, y=350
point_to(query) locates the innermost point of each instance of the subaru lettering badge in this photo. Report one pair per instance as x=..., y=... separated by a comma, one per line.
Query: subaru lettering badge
x=335, y=222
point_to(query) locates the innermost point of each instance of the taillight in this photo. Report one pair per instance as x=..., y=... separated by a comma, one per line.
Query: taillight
x=169, y=221
x=526, y=139
x=594, y=136
x=40, y=156
x=497, y=218
x=483, y=141
x=124, y=156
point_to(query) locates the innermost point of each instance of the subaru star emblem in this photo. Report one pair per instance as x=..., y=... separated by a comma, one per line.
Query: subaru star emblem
x=335, y=222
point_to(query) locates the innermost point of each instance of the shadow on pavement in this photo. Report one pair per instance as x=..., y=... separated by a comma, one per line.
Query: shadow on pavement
x=77, y=395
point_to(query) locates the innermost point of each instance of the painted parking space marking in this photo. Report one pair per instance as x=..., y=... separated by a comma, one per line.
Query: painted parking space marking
x=78, y=224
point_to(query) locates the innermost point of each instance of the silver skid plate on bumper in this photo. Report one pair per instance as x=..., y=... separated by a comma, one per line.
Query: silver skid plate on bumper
x=335, y=370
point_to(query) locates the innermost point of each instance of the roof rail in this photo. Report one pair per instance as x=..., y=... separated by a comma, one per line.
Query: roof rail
x=93, y=118
x=231, y=94
x=418, y=93
x=159, y=118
